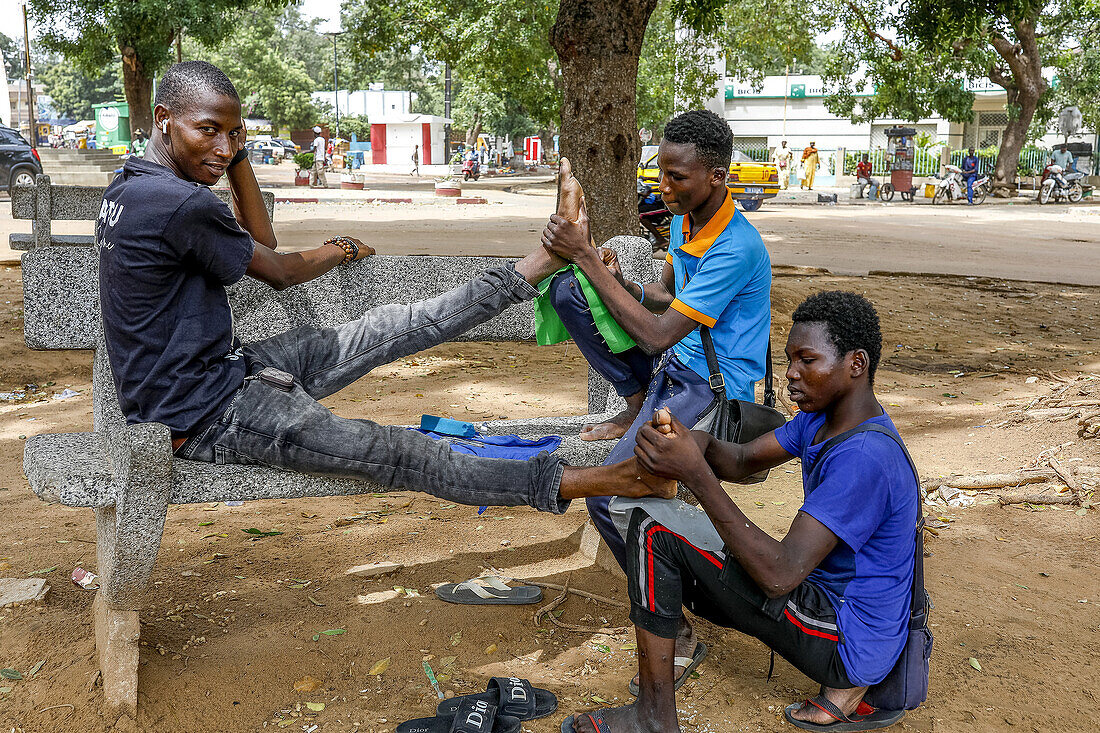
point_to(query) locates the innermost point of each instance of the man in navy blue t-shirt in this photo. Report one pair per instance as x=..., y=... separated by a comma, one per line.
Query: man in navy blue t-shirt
x=833, y=596
x=168, y=248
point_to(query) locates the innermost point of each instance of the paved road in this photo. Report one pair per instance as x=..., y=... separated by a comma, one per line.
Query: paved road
x=1020, y=241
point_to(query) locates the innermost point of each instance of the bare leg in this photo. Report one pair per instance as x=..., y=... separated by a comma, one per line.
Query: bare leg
x=617, y=426
x=655, y=709
x=619, y=479
x=847, y=700
x=686, y=641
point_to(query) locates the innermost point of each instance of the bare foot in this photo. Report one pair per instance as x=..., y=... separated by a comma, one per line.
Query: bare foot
x=847, y=700
x=571, y=195
x=628, y=719
x=617, y=426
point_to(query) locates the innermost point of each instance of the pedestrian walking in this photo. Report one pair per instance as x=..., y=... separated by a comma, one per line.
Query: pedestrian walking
x=416, y=161
x=317, y=174
x=811, y=161
x=783, y=157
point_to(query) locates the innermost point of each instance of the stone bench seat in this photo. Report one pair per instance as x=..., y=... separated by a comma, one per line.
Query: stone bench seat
x=74, y=469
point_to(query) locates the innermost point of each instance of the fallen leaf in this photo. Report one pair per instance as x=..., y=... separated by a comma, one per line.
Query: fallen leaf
x=597, y=698
x=974, y=663
x=1082, y=511
x=629, y=645
x=34, y=670
x=446, y=661
x=10, y=674
x=380, y=666
x=260, y=533
x=42, y=571
x=315, y=706
x=307, y=684
x=206, y=524
x=4, y=690
x=456, y=637
x=314, y=601
x=332, y=632
x=491, y=649
x=602, y=648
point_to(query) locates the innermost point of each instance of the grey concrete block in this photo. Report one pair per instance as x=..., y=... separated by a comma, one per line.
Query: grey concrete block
x=70, y=468
x=23, y=242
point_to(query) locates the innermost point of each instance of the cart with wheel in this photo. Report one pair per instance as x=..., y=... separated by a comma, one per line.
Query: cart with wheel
x=899, y=159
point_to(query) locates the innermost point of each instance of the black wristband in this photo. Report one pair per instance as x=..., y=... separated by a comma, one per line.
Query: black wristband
x=241, y=155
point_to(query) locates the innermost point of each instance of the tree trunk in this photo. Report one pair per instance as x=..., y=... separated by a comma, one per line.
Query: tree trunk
x=473, y=131
x=138, y=87
x=1025, y=86
x=546, y=134
x=598, y=43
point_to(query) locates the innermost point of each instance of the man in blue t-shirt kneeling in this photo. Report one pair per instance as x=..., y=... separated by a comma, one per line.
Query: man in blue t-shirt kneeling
x=833, y=596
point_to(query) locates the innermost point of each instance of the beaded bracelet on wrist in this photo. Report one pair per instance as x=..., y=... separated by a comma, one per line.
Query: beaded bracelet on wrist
x=351, y=251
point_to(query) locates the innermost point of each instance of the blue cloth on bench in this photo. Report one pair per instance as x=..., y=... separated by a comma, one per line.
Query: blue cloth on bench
x=497, y=446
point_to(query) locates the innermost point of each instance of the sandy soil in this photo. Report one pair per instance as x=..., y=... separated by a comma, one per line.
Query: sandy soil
x=231, y=623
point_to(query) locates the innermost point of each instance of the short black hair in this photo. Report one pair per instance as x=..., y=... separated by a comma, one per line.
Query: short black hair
x=182, y=81
x=711, y=136
x=850, y=322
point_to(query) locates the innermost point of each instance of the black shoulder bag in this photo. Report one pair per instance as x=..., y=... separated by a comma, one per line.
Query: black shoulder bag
x=739, y=421
x=906, y=686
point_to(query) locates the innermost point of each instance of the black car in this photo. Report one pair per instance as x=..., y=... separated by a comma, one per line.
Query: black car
x=19, y=162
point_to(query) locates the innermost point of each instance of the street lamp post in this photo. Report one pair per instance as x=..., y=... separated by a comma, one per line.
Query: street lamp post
x=335, y=80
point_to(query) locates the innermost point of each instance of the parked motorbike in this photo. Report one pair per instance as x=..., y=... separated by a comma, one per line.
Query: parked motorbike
x=953, y=187
x=653, y=215
x=471, y=169
x=1059, y=184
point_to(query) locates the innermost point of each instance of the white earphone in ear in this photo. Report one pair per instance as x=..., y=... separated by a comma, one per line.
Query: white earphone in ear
x=164, y=127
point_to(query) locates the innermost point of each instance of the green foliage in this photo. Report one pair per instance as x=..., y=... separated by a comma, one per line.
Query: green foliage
x=74, y=93
x=263, y=59
x=12, y=48
x=1079, y=81
x=670, y=77
x=762, y=37
x=303, y=161
x=91, y=33
x=349, y=125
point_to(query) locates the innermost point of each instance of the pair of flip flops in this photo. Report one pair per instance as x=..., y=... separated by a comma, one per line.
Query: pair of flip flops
x=488, y=591
x=688, y=663
x=865, y=717
x=506, y=702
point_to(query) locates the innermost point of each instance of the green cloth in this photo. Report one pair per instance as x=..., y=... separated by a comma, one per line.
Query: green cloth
x=550, y=330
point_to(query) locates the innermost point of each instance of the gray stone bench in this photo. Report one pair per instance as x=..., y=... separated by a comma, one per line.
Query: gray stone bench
x=127, y=472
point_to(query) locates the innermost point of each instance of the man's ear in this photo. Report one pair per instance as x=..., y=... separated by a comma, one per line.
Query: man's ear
x=718, y=176
x=858, y=361
x=160, y=117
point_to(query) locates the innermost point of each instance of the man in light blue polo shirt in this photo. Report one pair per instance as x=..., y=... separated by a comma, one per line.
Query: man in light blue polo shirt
x=717, y=274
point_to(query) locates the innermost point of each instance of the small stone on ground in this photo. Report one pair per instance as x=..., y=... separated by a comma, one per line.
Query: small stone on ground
x=17, y=591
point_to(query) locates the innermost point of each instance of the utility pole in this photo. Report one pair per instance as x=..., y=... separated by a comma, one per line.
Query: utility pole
x=335, y=80
x=32, y=122
x=447, y=114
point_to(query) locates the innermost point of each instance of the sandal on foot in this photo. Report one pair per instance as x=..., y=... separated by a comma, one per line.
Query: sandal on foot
x=488, y=591
x=512, y=696
x=597, y=723
x=688, y=663
x=865, y=717
x=474, y=716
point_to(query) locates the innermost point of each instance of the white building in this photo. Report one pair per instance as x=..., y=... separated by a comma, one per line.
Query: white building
x=370, y=103
x=393, y=139
x=793, y=109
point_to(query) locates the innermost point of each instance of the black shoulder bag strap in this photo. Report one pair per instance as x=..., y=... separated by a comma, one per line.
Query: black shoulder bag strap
x=718, y=382
x=918, y=607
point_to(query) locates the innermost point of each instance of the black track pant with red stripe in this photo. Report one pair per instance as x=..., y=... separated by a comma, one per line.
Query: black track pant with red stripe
x=666, y=573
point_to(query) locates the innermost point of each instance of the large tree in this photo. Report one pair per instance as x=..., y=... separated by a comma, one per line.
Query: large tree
x=74, y=93
x=918, y=55
x=268, y=58
x=94, y=33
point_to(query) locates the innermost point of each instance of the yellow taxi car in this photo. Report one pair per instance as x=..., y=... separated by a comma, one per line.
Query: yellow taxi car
x=749, y=182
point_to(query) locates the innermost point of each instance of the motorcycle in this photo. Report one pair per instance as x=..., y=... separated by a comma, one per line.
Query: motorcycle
x=953, y=187
x=471, y=169
x=1058, y=185
x=653, y=215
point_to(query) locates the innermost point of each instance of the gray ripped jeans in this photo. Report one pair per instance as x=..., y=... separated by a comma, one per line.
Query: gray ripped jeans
x=290, y=429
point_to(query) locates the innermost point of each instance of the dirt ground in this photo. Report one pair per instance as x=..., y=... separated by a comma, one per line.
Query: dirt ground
x=233, y=621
